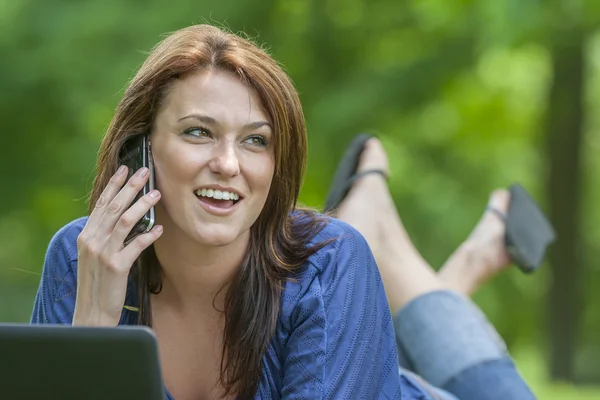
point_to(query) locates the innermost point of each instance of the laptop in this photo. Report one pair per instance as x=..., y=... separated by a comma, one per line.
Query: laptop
x=79, y=363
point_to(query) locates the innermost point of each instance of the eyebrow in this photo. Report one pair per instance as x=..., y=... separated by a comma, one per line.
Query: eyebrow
x=211, y=121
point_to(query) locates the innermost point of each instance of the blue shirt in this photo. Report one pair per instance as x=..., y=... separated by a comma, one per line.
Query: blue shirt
x=334, y=337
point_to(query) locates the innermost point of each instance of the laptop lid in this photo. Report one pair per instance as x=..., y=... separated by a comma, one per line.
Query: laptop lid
x=79, y=363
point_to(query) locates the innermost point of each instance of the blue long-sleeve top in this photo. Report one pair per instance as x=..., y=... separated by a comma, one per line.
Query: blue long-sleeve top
x=334, y=337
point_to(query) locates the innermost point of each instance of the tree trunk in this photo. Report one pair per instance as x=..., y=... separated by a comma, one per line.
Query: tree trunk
x=564, y=132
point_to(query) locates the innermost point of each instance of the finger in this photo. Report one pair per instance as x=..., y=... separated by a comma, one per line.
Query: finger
x=129, y=218
x=115, y=184
x=133, y=250
x=122, y=201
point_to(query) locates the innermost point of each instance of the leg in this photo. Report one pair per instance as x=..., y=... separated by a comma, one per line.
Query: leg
x=441, y=334
x=406, y=275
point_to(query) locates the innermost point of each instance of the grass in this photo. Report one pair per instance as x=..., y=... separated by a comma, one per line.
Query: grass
x=532, y=367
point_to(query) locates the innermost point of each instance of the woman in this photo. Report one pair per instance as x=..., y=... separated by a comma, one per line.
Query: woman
x=248, y=297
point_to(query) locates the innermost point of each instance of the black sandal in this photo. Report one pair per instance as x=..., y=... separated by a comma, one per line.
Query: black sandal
x=528, y=231
x=346, y=174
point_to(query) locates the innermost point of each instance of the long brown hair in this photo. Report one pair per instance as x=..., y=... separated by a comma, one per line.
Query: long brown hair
x=279, y=238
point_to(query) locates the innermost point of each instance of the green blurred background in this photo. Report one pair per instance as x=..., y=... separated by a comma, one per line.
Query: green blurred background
x=466, y=96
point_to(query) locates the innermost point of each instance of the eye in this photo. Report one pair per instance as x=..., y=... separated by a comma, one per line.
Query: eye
x=197, y=131
x=256, y=140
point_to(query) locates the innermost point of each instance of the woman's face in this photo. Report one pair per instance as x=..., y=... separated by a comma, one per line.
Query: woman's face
x=213, y=156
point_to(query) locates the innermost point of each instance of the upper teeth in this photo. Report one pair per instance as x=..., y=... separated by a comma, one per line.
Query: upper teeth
x=217, y=194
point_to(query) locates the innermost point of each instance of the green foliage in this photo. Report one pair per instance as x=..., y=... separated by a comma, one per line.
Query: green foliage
x=455, y=89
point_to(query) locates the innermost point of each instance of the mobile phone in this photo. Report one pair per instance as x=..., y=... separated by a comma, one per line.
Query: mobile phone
x=135, y=154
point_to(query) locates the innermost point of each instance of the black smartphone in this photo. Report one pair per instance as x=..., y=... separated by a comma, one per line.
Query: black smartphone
x=135, y=154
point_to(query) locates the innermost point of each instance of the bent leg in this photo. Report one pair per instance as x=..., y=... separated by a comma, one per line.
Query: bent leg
x=452, y=345
x=441, y=334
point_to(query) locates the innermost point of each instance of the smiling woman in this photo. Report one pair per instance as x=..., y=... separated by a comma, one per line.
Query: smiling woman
x=249, y=296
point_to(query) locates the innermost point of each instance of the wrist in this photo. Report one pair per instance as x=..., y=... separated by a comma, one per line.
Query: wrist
x=93, y=319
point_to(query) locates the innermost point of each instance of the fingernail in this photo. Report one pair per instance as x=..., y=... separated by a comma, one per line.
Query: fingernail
x=142, y=172
x=121, y=170
x=158, y=228
x=154, y=194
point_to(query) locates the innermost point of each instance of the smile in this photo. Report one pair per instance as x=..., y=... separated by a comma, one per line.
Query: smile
x=217, y=194
x=218, y=202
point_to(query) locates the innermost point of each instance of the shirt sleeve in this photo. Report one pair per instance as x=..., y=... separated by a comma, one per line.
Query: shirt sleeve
x=341, y=342
x=55, y=299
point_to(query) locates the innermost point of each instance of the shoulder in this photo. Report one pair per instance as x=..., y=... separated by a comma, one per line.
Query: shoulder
x=335, y=242
x=342, y=239
x=55, y=298
x=64, y=240
x=61, y=256
x=343, y=263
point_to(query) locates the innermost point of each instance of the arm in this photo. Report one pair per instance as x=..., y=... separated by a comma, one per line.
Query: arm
x=85, y=275
x=341, y=342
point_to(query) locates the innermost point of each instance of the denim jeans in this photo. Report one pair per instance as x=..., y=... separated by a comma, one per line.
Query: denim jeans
x=445, y=339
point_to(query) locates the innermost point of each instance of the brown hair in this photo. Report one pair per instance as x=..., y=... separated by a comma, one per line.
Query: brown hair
x=279, y=240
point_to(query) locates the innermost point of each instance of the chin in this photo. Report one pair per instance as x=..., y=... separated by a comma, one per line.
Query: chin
x=217, y=236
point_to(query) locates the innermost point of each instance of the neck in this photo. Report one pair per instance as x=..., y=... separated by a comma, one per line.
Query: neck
x=193, y=274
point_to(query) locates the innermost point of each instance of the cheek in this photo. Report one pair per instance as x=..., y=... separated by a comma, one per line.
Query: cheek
x=262, y=174
x=174, y=167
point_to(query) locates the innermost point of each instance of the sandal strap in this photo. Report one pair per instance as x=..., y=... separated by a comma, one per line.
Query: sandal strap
x=360, y=174
x=497, y=212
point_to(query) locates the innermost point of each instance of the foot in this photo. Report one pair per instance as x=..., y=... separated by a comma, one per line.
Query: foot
x=368, y=200
x=370, y=209
x=483, y=254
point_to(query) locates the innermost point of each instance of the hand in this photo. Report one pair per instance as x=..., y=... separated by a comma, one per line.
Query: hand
x=104, y=262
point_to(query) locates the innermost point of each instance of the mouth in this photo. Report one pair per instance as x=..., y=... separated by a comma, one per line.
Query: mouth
x=217, y=201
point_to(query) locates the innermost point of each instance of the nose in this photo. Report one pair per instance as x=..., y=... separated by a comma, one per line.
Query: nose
x=224, y=160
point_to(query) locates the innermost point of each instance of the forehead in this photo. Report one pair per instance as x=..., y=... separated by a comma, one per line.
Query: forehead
x=218, y=94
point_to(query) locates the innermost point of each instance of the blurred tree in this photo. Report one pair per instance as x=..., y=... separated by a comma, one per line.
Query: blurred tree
x=565, y=128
